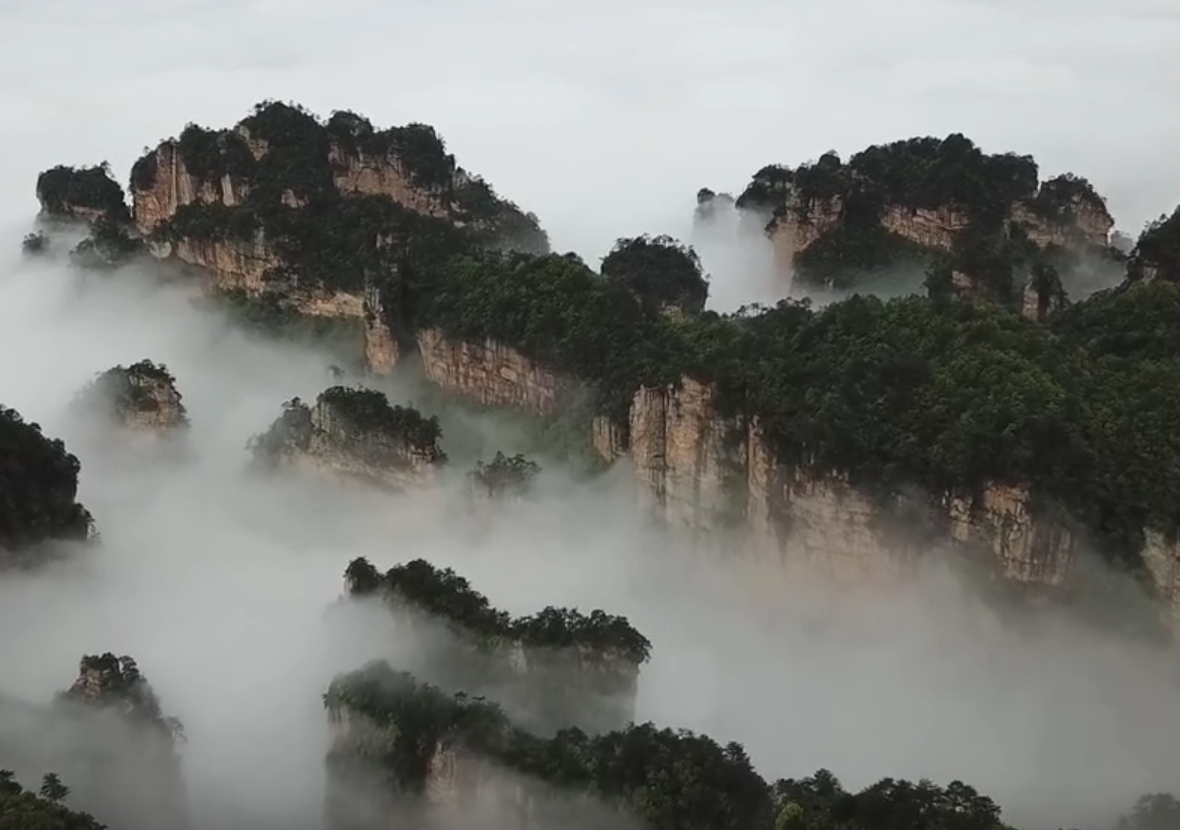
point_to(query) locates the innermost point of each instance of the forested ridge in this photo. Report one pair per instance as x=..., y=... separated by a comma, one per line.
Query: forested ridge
x=947, y=392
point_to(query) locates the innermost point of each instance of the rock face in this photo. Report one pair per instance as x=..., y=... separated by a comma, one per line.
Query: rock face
x=708, y=474
x=355, y=434
x=492, y=373
x=901, y=204
x=141, y=398
x=227, y=201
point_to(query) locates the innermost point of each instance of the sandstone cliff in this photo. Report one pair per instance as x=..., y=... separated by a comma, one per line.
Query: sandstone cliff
x=355, y=434
x=492, y=373
x=705, y=473
x=80, y=194
x=141, y=398
x=892, y=205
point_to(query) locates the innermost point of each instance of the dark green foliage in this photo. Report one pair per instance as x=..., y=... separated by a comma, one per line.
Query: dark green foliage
x=107, y=681
x=1137, y=321
x=443, y=594
x=915, y=174
x=22, y=809
x=334, y=240
x=664, y=778
x=1059, y=197
x=63, y=191
x=34, y=244
x=659, y=271
x=369, y=411
x=108, y=245
x=504, y=475
x=1158, y=249
x=38, y=487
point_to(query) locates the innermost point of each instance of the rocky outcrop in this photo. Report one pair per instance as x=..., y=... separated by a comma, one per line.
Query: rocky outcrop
x=492, y=373
x=707, y=474
x=355, y=434
x=162, y=183
x=141, y=398
x=123, y=755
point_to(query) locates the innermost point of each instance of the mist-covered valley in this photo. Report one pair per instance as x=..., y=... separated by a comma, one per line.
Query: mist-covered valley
x=218, y=580
x=917, y=522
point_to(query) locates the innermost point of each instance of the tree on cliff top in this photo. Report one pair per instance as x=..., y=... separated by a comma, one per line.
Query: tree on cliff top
x=38, y=486
x=1157, y=253
x=661, y=273
x=63, y=190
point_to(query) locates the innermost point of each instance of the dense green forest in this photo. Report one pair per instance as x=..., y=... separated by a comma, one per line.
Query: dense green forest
x=38, y=488
x=945, y=392
x=923, y=174
x=443, y=594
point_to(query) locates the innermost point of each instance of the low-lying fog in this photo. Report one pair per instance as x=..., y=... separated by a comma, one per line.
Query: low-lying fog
x=217, y=583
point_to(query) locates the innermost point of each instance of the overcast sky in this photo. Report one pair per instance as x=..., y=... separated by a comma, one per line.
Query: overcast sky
x=605, y=117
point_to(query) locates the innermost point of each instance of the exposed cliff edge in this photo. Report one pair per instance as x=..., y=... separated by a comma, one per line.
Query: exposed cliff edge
x=141, y=398
x=356, y=434
x=39, y=480
x=322, y=215
x=980, y=221
x=551, y=670
x=83, y=194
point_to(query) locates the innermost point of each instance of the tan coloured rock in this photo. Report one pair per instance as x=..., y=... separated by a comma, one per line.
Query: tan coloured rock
x=491, y=373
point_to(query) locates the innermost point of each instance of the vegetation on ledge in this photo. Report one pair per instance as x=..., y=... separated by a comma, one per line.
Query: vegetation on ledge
x=281, y=156
x=22, y=809
x=661, y=777
x=1157, y=253
x=75, y=192
x=443, y=594
x=662, y=273
x=369, y=411
x=928, y=174
x=143, y=388
x=107, y=681
x=505, y=475
x=38, y=488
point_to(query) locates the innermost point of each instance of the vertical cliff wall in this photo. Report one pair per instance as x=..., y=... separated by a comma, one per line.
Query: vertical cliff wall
x=492, y=373
x=707, y=474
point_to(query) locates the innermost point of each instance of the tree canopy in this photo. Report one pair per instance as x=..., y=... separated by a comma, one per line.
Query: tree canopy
x=443, y=594
x=22, y=809
x=64, y=190
x=660, y=271
x=38, y=487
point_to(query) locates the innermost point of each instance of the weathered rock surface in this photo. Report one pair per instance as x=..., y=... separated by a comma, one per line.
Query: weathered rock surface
x=355, y=434
x=141, y=398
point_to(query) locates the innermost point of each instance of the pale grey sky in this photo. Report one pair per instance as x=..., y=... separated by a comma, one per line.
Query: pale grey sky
x=605, y=117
